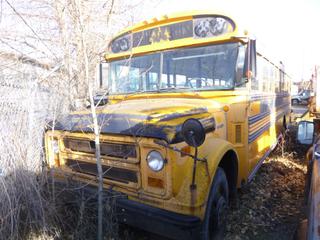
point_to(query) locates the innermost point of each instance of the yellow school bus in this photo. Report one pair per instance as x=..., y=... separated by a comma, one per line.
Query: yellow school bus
x=194, y=107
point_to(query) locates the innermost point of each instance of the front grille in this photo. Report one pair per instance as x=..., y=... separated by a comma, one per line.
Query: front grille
x=117, y=150
x=112, y=173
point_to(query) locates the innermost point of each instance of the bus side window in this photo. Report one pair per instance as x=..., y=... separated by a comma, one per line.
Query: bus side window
x=282, y=87
x=241, y=66
x=277, y=82
x=261, y=75
x=273, y=81
x=253, y=65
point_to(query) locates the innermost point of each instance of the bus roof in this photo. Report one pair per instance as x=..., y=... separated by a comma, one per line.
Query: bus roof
x=166, y=29
x=173, y=31
x=167, y=18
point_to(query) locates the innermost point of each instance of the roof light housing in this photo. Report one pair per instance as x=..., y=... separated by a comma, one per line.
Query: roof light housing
x=212, y=26
x=121, y=44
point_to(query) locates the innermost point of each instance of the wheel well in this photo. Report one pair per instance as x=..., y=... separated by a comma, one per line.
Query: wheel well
x=229, y=163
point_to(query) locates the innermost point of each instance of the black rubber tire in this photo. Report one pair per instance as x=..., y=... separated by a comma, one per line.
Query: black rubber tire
x=294, y=102
x=308, y=179
x=214, y=223
x=284, y=124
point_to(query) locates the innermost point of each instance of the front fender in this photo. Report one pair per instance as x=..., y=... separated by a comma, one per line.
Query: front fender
x=213, y=150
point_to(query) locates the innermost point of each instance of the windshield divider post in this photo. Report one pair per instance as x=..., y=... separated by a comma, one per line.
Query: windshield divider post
x=161, y=71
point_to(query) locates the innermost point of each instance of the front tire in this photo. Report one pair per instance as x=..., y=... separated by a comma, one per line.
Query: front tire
x=214, y=224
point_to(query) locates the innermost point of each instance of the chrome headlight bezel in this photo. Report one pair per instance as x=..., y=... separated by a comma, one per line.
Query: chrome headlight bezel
x=155, y=161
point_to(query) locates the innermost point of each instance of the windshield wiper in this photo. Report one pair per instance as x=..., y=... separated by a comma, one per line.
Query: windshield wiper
x=171, y=88
x=135, y=93
x=138, y=92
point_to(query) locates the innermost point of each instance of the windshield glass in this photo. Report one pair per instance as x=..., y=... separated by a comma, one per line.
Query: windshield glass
x=202, y=68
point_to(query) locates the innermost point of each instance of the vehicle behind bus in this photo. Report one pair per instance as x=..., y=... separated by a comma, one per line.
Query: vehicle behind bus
x=308, y=134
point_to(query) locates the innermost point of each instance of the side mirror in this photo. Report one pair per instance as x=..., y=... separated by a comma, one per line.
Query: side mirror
x=193, y=132
x=99, y=100
x=305, y=132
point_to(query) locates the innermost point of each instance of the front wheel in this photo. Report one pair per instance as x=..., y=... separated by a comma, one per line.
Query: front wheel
x=214, y=224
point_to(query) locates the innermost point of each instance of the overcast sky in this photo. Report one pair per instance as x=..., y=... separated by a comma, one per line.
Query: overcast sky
x=290, y=29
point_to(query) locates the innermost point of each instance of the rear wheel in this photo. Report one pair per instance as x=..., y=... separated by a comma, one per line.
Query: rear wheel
x=295, y=102
x=284, y=124
x=214, y=224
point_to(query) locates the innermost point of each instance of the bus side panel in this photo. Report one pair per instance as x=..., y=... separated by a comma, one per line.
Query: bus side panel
x=237, y=134
x=283, y=108
x=261, y=128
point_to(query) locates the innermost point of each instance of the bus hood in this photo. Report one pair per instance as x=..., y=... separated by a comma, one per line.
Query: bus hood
x=155, y=118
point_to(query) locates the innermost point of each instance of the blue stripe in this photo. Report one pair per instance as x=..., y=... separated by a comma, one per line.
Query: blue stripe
x=258, y=117
x=261, y=96
x=256, y=134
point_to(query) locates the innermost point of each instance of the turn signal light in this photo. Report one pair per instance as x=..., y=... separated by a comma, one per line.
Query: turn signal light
x=155, y=182
x=185, y=150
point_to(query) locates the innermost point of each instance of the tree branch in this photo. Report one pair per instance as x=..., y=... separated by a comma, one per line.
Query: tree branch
x=25, y=59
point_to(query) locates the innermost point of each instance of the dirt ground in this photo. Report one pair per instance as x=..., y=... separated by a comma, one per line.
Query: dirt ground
x=271, y=206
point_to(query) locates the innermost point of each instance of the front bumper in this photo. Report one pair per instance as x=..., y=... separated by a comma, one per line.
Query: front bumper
x=159, y=221
x=148, y=218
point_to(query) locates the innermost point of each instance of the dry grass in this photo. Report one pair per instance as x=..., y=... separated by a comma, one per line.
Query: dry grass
x=272, y=205
x=29, y=208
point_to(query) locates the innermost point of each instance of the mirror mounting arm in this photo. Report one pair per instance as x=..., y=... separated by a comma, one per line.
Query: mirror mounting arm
x=194, y=135
x=193, y=185
x=166, y=145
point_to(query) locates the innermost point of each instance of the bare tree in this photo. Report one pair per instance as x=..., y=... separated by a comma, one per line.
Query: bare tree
x=94, y=118
x=49, y=52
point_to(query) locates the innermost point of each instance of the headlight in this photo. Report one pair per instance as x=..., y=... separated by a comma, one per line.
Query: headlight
x=155, y=161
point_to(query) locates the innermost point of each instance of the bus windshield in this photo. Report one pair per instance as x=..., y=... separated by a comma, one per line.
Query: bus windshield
x=199, y=68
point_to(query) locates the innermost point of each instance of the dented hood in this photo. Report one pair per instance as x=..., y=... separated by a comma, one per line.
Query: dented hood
x=155, y=118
